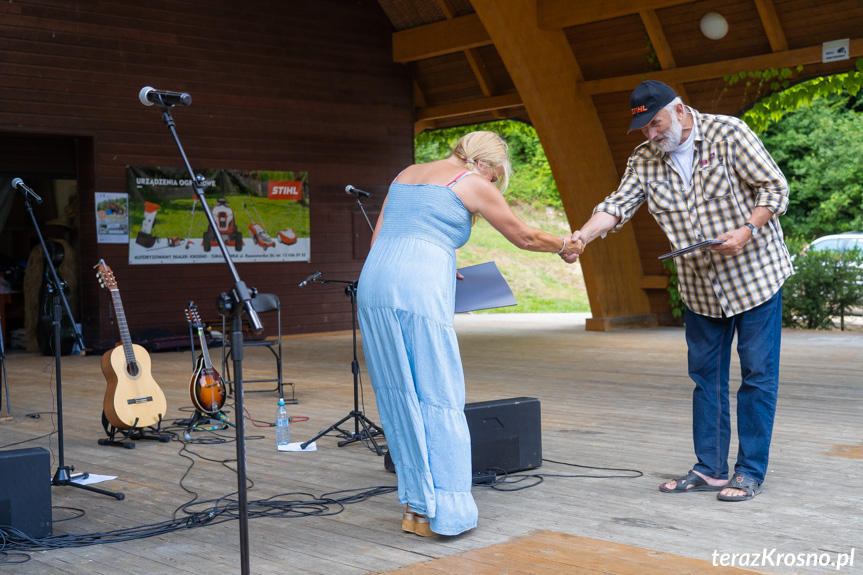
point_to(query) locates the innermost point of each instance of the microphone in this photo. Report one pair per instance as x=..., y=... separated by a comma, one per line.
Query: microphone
x=149, y=96
x=18, y=184
x=349, y=189
x=310, y=279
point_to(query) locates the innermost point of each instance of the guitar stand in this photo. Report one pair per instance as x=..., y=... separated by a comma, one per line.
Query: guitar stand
x=203, y=418
x=134, y=433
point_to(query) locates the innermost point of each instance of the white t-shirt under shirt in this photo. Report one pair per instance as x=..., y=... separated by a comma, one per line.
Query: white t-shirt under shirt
x=682, y=159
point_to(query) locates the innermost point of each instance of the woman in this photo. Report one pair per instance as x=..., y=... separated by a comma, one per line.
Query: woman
x=406, y=296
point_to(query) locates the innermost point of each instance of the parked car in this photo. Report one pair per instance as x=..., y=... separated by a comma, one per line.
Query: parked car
x=839, y=242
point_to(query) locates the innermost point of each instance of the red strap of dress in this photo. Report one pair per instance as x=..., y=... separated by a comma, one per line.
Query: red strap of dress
x=457, y=178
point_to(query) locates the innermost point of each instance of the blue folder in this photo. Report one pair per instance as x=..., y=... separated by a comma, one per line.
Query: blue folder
x=482, y=288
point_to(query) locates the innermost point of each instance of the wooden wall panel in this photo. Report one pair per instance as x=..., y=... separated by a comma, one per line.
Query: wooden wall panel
x=275, y=85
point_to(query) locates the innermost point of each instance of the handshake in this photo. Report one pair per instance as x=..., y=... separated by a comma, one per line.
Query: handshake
x=574, y=248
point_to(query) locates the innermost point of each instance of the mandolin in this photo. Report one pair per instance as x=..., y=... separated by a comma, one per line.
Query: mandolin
x=206, y=387
x=133, y=399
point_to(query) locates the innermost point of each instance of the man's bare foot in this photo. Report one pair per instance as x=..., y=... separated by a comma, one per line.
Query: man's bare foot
x=744, y=488
x=732, y=491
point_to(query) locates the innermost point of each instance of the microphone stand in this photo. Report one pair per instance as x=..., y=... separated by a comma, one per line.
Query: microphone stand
x=363, y=210
x=5, y=381
x=63, y=475
x=370, y=430
x=239, y=299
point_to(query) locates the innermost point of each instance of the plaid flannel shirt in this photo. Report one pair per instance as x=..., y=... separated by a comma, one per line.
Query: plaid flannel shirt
x=732, y=173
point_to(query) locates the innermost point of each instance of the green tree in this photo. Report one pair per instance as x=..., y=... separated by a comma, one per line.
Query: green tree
x=819, y=149
x=531, y=184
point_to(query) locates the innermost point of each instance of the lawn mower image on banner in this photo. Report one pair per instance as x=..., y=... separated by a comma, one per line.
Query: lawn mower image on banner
x=224, y=216
x=288, y=236
x=145, y=235
x=259, y=234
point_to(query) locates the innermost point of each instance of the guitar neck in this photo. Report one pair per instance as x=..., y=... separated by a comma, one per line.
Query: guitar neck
x=125, y=336
x=204, y=351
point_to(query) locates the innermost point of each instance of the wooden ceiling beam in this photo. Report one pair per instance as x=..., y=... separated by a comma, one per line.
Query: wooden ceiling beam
x=661, y=47
x=474, y=58
x=786, y=59
x=480, y=72
x=477, y=64
x=419, y=97
x=446, y=37
x=775, y=34
x=470, y=107
x=557, y=14
x=420, y=127
x=657, y=39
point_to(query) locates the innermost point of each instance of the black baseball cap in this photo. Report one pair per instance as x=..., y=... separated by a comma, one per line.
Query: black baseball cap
x=647, y=100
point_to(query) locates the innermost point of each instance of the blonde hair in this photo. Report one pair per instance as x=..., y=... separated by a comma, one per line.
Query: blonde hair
x=488, y=149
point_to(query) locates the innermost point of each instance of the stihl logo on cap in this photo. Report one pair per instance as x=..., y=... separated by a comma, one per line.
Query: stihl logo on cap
x=639, y=109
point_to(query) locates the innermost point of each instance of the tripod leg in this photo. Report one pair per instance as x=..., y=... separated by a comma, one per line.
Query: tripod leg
x=63, y=478
x=333, y=427
x=368, y=422
x=366, y=433
x=119, y=496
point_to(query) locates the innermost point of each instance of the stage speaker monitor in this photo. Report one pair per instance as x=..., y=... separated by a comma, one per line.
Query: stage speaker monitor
x=505, y=434
x=25, y=491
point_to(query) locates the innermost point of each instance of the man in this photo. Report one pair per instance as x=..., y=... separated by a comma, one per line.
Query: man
x=709, y=177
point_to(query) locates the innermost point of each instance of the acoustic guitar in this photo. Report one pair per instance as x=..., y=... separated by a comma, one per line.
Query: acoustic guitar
x=133, y=399
x=206, y=387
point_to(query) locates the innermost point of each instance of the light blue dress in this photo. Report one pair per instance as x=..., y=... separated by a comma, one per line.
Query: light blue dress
x=406, y=304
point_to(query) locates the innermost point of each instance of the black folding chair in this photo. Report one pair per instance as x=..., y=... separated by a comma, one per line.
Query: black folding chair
x=264, y=303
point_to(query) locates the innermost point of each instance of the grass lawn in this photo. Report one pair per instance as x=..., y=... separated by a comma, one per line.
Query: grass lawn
x=541, y=283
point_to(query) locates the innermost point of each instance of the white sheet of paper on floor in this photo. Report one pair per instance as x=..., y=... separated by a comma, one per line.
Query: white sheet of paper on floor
x=92, y=478
x=296, y=447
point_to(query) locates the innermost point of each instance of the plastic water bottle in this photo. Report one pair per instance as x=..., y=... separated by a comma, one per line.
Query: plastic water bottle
x=283, y=432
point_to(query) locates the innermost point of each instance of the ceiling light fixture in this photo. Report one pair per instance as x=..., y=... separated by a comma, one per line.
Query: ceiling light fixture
x=714, y=25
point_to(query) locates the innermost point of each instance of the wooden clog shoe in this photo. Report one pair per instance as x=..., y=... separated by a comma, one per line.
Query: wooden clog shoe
x=409, y=522
x=422, y=526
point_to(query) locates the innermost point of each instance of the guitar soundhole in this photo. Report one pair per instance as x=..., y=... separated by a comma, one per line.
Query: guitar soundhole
x=132, y=369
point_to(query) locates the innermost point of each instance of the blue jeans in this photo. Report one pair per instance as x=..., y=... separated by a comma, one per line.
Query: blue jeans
x=758, y=341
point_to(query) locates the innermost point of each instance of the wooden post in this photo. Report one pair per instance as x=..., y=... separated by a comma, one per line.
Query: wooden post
x=547, y=76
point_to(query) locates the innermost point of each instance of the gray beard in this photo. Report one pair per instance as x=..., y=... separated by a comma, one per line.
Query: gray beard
x=671, y=137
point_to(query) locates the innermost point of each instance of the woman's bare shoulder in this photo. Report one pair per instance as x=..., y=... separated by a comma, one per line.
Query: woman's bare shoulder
x=438, y=172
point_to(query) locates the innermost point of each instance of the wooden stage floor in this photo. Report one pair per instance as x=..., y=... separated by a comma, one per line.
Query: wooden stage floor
x=617, y=399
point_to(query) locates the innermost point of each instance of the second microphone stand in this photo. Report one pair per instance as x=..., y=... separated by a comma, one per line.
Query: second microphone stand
x=369, y=429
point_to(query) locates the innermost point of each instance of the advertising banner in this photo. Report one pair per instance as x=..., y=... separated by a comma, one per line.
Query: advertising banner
x=112, y=218
x=262, y=216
